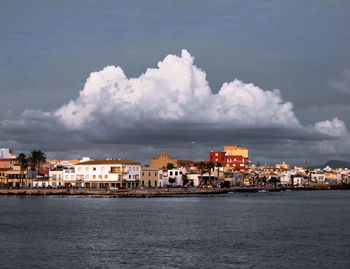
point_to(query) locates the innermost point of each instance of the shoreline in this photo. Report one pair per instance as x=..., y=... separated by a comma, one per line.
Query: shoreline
x=155, y=192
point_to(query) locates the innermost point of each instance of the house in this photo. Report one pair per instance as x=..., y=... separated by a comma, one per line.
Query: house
x=318, y=177
x=56, y=176
x=285, y=177
x=150, y=177
x=174, y=176
x=300, y=180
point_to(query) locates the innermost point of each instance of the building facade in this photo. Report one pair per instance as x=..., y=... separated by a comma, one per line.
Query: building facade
x=163, y=159
x=235, y=162
x=150, y=177
x=104, y=174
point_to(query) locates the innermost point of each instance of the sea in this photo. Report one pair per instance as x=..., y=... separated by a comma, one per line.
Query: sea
x=290, y=229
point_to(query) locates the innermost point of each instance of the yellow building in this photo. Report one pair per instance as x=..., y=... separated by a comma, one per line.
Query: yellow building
x=149, y=177
x=237, y=151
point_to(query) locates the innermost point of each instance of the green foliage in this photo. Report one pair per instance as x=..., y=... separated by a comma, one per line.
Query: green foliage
x=36, y=159
x=184, y=180
x=274, y=180
x=170, y=166
x=172, y=180
x=23, y=161
x=202, y=166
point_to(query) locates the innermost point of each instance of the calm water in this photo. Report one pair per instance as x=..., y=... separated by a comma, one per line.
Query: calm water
x=266, y=230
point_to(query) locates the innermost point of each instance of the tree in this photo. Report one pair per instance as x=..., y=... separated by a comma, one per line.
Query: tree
x=210, y=166
x=172, y=180
x=36, y=159
x=184, y=180
x=170, y=166
x=23, y=163
x=274, y=180
x=201, y=166
x=218, y=165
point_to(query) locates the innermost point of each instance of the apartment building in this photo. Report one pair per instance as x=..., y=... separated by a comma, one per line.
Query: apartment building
x=104, y=174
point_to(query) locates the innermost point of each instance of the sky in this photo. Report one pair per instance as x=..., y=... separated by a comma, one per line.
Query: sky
x=131, y=78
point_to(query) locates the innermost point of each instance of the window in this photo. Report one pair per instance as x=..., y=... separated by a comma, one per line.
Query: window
x=87, y=169
x=155, y=173
x=100, y=177
x=54, y=177
x=87, y=176
x=149, y=174
x=171, y=173
x=129, y=176
x=79, y=169
x=143, y=173
x=94, y=177
x=106, y=176
x=103, y=168
x=93, y=168
x=176, y=173
x=66, y=176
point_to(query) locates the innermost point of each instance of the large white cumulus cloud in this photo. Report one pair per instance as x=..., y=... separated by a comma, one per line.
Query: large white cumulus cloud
x=169, y=107
x=176, y=91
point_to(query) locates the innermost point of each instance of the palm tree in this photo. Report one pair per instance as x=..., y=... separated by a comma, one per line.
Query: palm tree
x=210, y=166
x=36, y=159
x=23, y=162
x=201, y=167
x=218, y=165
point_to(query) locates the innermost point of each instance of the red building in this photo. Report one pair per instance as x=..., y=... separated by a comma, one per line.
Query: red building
x=232, y=161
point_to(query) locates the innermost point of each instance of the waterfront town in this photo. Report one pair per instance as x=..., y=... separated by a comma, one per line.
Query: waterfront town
x=224, y=169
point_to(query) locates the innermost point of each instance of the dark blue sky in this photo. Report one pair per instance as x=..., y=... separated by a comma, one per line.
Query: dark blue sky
x=49, y=48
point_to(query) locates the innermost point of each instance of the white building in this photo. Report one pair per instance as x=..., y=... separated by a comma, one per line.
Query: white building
x=174, y=176
x=300, y=180
x=318, y=177
x=285, y=178
x=5, y=153
x=105, y=174
x=56, y=178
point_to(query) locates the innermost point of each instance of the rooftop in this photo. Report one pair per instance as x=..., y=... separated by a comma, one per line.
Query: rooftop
x=104, y=162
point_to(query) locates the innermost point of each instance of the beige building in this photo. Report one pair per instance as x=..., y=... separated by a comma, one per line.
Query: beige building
x=56, y=178
x=236, y=151
x=163, y=160
x=149, y=177
x=282, y=166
